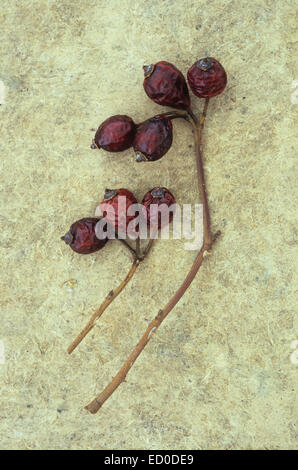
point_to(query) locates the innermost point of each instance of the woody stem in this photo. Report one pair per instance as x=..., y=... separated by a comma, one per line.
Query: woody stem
x=138, y=258
x=124, y=242
x=198, y=128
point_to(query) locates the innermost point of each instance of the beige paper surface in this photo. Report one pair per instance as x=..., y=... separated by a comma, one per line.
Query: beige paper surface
x=218, y=374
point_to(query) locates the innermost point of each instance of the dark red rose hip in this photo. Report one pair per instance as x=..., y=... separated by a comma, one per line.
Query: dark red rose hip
x=207, y=78
x=158, y=196
x=114, y=208
x=166, y=85
x=81, y=236
x=115, y=134
x=153, y=139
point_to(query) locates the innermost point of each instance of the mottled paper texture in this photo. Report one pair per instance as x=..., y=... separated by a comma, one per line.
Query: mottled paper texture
x=218, y=373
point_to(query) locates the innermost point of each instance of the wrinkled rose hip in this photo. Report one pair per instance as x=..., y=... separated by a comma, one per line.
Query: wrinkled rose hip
x=81, y=236
x=158, y=196
x=153, y=139
x=207, y=78
x=115, y=134
x=166, y=85
x=114, y=208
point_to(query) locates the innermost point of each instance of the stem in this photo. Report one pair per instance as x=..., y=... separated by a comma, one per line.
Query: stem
x=124, y=242
x=148, y=248
x=175, y=115
x=97, y=403
x=200, y=171
x=138, y=248
x=192, y=116
x=138, y=258
x=109, y=299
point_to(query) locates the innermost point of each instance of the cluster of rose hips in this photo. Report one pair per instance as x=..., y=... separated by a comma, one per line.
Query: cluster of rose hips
x=151, y=140
x=82, y=237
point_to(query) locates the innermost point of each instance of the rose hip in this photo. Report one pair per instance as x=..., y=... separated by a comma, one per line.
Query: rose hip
x=153, y=139
x=158, y=196
x=115, y=134
x=114, y=208
x=207, y=78
x=166, y=85
x=81, y=236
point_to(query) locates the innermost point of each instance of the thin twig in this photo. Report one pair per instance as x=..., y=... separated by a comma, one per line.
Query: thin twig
x=96, y=404
x=113, y=293
x=175, y=114
x=109, y=299
x=200, y=171
x=193, y=116
x=138, y=247
x=148, y=248
x=124, y=242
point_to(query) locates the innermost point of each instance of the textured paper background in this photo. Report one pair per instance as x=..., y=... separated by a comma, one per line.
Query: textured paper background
x=218, y=373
